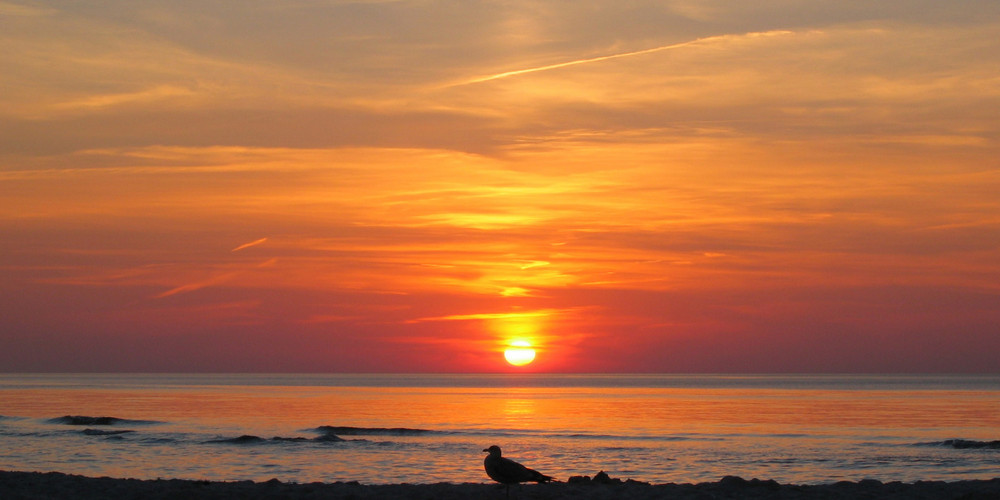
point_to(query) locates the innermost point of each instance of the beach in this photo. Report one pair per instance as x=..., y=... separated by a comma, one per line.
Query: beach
x=54, y=485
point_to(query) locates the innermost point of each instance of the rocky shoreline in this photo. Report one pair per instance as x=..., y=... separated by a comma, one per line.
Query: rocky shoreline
x=54, y=485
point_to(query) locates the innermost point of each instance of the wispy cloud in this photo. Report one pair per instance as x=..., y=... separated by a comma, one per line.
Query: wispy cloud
x=12, y=9
x=488, y=316
x=157, y=93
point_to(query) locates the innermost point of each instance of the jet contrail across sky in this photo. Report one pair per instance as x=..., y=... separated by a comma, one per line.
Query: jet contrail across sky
x=617, y=56
x=247, y=245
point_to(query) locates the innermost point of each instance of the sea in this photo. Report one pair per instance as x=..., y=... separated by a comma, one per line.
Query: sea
x=393, y=428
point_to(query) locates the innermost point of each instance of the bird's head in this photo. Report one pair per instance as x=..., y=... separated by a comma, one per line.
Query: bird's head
x=493, y=450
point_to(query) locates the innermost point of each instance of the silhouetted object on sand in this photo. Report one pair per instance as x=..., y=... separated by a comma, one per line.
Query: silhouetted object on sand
x=507, y=472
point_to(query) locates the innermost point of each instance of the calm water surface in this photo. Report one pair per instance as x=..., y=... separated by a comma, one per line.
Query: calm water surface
x=431, y=428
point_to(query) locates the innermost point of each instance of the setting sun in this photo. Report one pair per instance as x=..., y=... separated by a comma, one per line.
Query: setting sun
x=519, y=353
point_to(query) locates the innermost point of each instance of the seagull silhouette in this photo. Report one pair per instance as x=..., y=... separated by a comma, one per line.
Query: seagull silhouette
x=507, y=472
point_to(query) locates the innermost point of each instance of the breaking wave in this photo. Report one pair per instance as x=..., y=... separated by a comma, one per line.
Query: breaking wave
x=374, y=431
x=102, y=432
x=250, y=439
x=84, y=420
x=964, y=444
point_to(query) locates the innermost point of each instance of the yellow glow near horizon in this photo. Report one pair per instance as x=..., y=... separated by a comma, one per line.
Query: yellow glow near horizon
x=519, y=353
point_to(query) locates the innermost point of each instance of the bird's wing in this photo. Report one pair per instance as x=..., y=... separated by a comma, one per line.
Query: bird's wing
x=519, y=473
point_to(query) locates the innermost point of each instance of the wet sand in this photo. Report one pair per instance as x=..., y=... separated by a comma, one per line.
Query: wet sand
x=53, y=485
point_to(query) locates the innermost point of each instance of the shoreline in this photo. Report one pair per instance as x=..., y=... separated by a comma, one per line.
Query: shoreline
x=56, y=485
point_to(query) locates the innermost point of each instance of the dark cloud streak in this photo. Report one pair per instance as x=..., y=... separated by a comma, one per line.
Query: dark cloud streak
x=318, y=128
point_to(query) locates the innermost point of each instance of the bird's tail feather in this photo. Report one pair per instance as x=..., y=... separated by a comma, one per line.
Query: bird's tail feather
x=538, y=477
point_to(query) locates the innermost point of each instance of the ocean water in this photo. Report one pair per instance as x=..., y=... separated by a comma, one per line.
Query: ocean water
x=432, y=428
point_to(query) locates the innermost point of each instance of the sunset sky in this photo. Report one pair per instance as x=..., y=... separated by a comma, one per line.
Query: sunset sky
x=410, y=186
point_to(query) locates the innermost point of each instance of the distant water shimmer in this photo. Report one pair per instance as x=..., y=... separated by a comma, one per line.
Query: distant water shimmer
x=380, y=429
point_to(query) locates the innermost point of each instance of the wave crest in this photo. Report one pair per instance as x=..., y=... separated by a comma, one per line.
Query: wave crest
x=101, y=432
x=965, y=444
x=250, y=439
x=85, y=420
x=373, y=431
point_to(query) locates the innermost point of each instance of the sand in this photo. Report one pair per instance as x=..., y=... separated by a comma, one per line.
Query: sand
x=53, y=485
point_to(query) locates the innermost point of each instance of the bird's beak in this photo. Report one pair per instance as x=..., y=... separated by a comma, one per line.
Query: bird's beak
x=487, y=450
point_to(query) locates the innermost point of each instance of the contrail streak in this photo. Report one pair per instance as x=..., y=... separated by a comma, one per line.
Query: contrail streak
x=697, y=41
x=247, y=245
x=214, y=280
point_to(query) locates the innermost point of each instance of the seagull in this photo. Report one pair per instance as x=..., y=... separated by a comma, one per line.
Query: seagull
x=507, y=472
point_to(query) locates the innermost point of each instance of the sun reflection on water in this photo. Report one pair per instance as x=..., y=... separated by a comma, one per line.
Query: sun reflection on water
x=519, y=410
